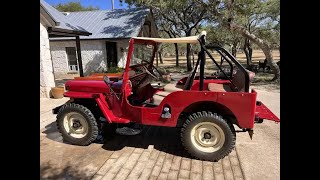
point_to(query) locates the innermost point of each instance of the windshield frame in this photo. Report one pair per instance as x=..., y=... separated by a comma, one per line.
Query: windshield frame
x=130, y=52
x=148, y=60
x=142, y=42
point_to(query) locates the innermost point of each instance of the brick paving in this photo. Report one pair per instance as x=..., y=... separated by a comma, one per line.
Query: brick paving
x=156, y=153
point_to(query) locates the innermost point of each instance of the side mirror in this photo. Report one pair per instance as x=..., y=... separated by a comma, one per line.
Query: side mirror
x=106, y=80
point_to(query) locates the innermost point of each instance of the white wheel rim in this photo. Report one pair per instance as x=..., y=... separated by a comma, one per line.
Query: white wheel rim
x=75, y=125
x=207, y=137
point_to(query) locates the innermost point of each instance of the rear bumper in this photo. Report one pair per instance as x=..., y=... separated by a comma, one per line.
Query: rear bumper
x=262, y=112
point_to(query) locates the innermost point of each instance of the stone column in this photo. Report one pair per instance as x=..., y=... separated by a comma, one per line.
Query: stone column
x=46, y=70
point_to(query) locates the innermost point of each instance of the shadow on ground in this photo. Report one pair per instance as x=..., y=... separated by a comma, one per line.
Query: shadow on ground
x=50, y=171
x=164, y=139
x=52, y=132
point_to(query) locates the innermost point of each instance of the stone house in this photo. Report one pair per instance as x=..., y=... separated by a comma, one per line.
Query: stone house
x=53, y=24
x=107, y=46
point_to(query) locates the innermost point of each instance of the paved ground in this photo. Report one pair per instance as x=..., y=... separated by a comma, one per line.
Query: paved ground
x=156, y=153
x=260, y=157
x=46, y=106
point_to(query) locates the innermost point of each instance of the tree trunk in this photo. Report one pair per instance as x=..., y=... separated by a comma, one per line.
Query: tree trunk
x=263, y=45
x=157, y=59
x=248, y=51
x=221, y=60
x=193, y=59
x=234, y=49
x=177, y=54
x=189, y=67
x=160, y=57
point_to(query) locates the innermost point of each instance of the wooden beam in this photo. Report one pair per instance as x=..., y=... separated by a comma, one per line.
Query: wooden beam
x=57, y=35
x=79, y=56
x=54, y=30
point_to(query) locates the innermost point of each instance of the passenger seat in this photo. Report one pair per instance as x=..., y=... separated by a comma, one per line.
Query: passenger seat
x=169, y=88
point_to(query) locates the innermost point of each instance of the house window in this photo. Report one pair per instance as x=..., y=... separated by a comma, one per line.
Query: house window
x=72, y=58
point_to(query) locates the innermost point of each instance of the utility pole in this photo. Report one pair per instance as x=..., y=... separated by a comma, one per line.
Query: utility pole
x=112, y=4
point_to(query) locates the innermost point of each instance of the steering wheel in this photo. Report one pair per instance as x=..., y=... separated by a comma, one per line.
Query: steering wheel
x=152, y=73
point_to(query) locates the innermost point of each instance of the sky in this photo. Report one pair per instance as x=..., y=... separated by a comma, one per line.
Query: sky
x=102, y=4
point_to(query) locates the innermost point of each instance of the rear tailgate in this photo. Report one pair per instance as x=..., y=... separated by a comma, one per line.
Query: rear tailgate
x=262, y=112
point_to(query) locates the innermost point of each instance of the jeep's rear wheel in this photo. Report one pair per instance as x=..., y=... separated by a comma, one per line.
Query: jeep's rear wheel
x=207, y=136
x=77, y=124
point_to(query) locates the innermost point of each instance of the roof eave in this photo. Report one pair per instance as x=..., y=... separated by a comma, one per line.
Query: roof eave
x=66, y=32
x=48, y=15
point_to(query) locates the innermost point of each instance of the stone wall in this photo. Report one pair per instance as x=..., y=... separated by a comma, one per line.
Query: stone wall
x=122, y=56
x=94, y=57
x=46, y=71
x=93, y=54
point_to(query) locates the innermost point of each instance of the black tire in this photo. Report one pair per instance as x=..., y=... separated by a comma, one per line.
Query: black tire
x=92, y=127
x=192, y=145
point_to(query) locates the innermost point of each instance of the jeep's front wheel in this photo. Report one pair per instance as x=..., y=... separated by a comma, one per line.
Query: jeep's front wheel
x=77, y=124
x=207, y=136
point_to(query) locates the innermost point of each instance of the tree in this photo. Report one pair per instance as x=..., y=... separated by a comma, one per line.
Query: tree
x=261, y=18
x=247, y=49
x=226, y=13
x=168, y=28
x=218, y=35
x=263, y=44
x=183, y=16
x=74, y=7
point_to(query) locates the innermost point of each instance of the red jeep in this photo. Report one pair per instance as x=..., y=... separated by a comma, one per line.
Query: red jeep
x=204, y=107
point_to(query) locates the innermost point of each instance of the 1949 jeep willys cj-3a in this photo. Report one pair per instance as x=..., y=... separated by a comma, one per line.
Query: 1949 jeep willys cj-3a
x=205, y=108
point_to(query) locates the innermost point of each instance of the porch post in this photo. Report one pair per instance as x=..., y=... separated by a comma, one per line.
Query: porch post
x=79, y=56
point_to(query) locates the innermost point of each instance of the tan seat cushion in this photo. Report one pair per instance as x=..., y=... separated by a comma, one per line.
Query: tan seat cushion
x=172, y=88
x=162, y=93
x=169, y=88
x=238, y=80
x=214, y=87
x=159, y=96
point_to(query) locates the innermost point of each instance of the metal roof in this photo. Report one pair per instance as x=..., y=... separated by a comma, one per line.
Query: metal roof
x=109, y=24
x=64, y=21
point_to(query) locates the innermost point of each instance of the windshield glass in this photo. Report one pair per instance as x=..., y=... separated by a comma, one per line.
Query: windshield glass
x=142, y=54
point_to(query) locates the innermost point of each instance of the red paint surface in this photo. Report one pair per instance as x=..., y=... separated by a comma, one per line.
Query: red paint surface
x=93, y=86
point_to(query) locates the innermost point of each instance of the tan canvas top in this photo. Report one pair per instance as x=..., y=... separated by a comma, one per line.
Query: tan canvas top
x=189, y=39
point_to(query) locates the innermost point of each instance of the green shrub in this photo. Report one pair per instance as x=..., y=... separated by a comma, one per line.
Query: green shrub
x=114, y=70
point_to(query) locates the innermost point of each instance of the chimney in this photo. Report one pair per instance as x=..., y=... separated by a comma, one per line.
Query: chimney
x=66, y=13
x=112, y=4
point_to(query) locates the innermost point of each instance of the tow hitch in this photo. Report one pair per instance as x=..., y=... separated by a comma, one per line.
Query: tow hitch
x=250, y=132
